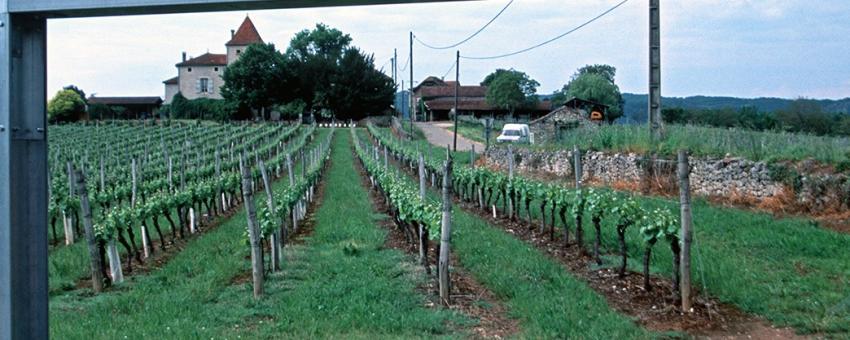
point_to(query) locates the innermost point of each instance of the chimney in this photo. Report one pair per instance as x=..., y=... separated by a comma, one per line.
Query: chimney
x=232, y=34
x=184, y=57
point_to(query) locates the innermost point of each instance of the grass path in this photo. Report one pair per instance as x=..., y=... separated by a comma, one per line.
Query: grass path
x=341, y=283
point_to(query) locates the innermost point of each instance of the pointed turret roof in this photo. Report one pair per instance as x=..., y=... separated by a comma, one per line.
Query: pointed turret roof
x=246, y=34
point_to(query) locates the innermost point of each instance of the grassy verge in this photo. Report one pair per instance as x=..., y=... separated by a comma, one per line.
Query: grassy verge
x=788, y=270
x=700, y=140
x=341, y=284
x=539, y=291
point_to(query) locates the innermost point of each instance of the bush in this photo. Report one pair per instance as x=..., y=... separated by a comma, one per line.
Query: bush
x=202, y=108
x=66, y=106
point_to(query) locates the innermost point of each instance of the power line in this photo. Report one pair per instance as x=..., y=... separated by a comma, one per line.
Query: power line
x=553, y=39
x=406, y=63
x=450, y=70
x=468, y=38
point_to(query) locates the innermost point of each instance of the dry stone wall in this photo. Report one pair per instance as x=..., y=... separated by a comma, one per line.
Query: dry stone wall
x=709, y=176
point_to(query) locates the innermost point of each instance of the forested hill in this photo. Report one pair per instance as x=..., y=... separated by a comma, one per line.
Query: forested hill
x=635, y=104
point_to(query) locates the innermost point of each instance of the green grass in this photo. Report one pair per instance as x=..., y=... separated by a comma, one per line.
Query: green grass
x=341, y=284
x=701, y=141
x=539, y=291
x=788, y=270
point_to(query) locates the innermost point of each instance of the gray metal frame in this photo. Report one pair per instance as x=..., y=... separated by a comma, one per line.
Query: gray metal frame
x=23, y=137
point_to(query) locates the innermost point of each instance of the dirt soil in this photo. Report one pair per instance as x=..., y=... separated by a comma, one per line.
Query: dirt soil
x=468, y=295
x=658, y=309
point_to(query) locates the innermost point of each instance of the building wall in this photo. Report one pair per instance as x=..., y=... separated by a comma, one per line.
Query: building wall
x=189, y=81
x=170, y=91
x=232, y=55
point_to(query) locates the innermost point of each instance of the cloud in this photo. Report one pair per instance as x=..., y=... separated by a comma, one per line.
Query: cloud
x=737, y=47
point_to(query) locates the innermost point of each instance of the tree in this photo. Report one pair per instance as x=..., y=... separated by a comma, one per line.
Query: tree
x=252, y=81
x=313, y=57
x=357, y=88
x=596, y=87
x=606, y=71
x=65, y=106
x=492, y=76
x=80, y=92
x=511, y=90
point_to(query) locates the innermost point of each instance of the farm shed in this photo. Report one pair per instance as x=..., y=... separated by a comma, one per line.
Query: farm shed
x=130, y=107
x=576, y=113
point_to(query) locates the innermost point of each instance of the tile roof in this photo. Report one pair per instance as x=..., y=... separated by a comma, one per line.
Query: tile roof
x=125, y=100
x=475, y=104
x=172, y=81
x=246, y=35
x=207, y=59
x=449, y=91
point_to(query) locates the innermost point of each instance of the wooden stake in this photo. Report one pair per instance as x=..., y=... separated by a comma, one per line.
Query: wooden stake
x=446, y=231
x=91, y=241
x=686, y=236
x=253, y=228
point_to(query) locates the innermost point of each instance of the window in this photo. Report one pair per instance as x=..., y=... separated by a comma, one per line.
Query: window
x=238, y=51
x=204, y=85
x=216, y=69
x=190, y=69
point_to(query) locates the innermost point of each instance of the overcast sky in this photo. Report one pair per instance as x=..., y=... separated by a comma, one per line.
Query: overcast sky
x=745, y=48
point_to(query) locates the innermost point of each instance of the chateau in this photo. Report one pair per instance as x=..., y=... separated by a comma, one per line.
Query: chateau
x=201, y=77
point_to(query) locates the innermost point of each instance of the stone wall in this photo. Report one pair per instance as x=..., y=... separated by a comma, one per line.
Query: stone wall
x=709, y=176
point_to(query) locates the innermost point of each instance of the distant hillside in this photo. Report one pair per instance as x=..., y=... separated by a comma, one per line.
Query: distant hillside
x=636, y=104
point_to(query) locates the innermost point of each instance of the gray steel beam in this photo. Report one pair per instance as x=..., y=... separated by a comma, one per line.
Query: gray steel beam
x=87, y=8
x=23, y=176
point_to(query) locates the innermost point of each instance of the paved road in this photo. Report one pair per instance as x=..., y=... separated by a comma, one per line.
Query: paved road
x=440, y=134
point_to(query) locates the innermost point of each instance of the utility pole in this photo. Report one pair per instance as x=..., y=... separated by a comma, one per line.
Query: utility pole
x=457, y=93
x=655, y=70
x=412, y=104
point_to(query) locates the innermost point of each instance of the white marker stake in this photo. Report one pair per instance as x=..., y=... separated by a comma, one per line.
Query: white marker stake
x=145, y=245
x=114, y=262
x=494, y=211
x=192, y=220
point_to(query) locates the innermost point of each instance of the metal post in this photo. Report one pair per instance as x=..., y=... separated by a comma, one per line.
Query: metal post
x=655, y=124
x=457, y=93
x=23, y=176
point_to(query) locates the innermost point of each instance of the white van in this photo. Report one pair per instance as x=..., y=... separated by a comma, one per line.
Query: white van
x=514, y=133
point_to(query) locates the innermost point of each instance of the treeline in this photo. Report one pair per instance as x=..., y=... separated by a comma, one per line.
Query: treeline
x=801, y=116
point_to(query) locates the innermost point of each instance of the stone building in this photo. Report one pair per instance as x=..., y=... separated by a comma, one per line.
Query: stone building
x=575, y=114
x=201, y=77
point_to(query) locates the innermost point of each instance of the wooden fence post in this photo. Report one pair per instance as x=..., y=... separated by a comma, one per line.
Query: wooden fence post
x=91, y=241
x=423, y=231
x=253, y=228
x=446, y=231
x=687, y=233
x=507, y=199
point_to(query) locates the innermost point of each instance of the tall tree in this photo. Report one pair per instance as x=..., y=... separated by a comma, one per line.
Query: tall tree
x=594, y=83
x=80, y=92
x=357, y=88
x=65, y=106
x=511, y=90
x=253, y=80
x=313, y=57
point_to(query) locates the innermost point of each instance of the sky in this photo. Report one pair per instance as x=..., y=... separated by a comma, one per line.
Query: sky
x=742, y=48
